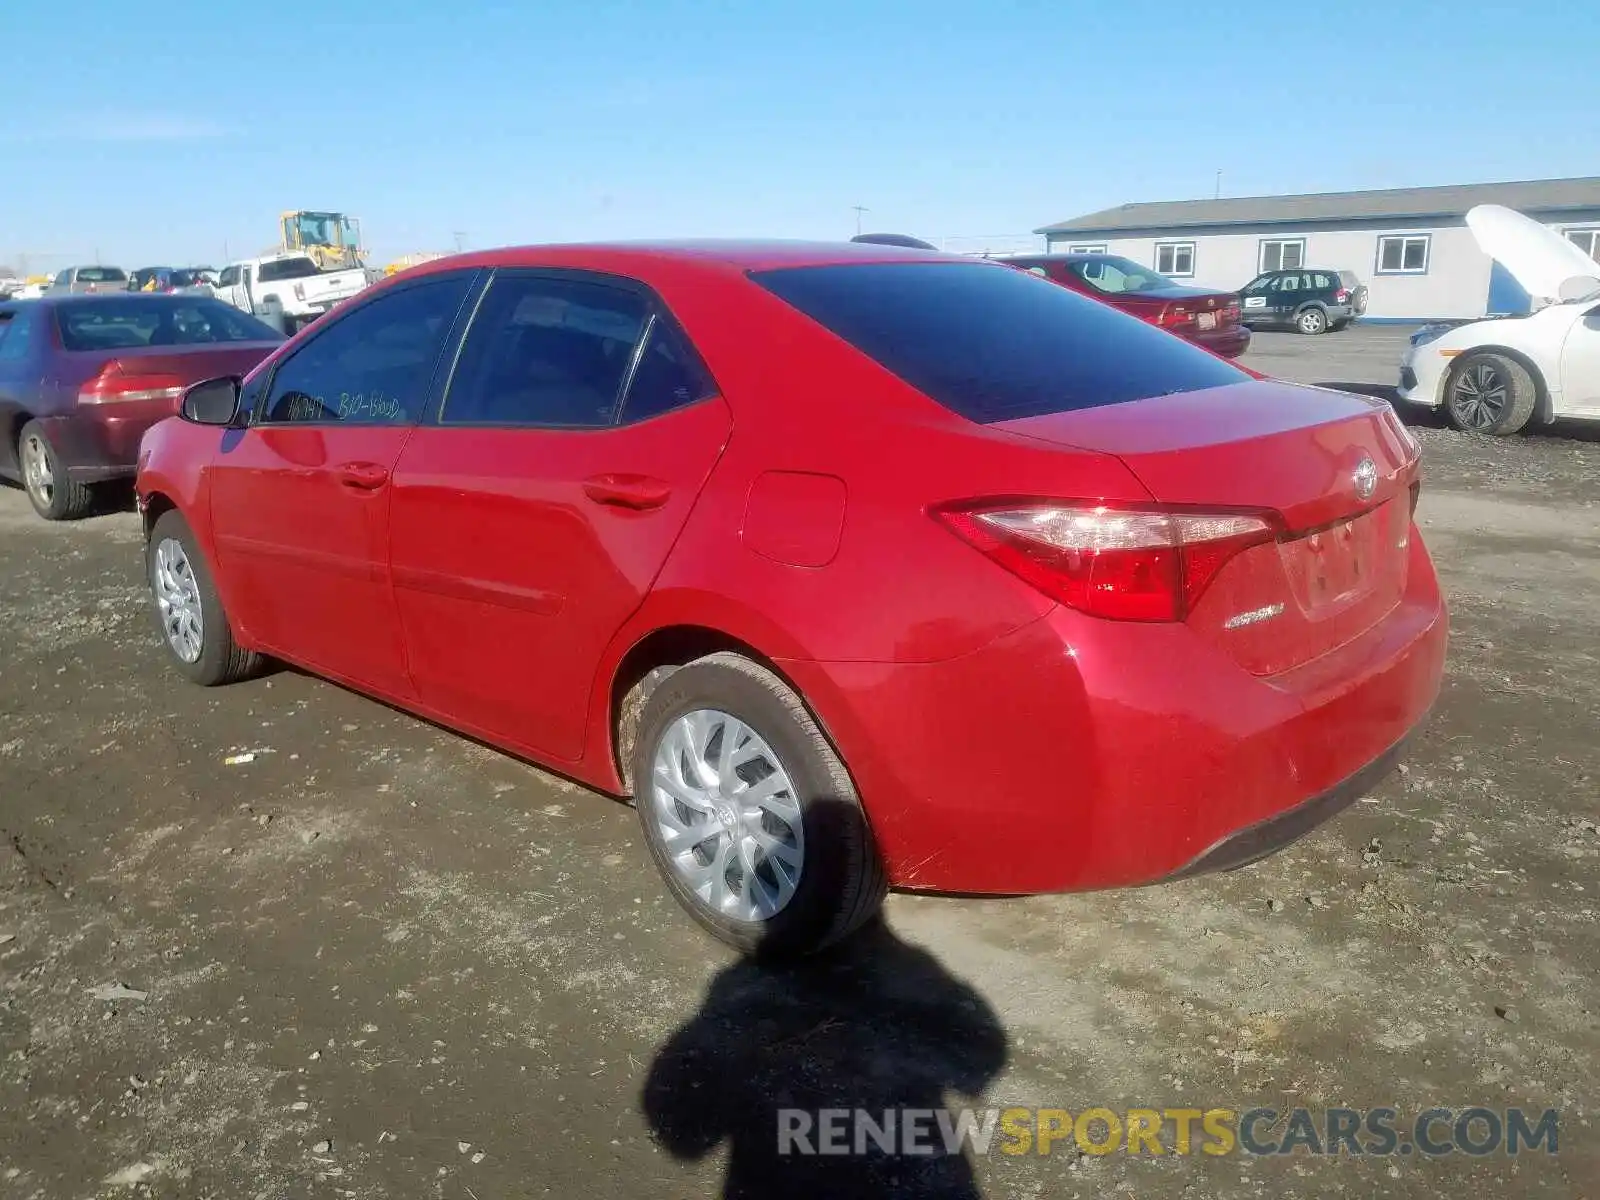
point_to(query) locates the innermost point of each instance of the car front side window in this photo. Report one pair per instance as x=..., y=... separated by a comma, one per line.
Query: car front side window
x=372, y=366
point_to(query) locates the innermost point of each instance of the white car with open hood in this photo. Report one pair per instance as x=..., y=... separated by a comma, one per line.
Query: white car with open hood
x=1497, y=374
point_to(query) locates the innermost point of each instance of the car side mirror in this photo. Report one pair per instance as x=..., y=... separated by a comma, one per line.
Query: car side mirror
x=213, y=402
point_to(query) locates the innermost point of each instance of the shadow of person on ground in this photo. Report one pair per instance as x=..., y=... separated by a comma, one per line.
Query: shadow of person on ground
x=874, y=1024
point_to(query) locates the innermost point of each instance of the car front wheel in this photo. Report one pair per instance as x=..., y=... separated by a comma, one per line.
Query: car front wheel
x=749, y=813
x=194, y=627
x=1490, y=393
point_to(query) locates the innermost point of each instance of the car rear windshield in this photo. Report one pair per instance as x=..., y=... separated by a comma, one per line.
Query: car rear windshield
x=993, y=343
x=101, y=275
x=287, y=268
x=156, y=321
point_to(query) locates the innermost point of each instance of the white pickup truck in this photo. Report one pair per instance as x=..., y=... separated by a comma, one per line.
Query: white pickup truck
x=287, y=289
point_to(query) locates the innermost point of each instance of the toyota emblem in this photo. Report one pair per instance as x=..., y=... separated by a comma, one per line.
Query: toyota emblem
x=1365, y=478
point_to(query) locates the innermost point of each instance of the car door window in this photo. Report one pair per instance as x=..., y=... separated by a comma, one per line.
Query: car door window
x=1322, y=282
x=229, y=277
x=1289, y=283
x=373, y=365
x=14, y=336
x=1259, y=285
x=544, y=351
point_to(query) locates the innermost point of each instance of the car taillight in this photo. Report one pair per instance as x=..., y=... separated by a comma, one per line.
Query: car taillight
x=115, y=384
x=1342, y=295
x=1126, y=564
x=1174, y=315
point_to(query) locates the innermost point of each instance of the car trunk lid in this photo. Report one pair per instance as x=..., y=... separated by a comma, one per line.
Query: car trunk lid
x=1338, y=563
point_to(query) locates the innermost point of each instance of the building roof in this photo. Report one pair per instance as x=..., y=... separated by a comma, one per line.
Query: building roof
x=1530, y=196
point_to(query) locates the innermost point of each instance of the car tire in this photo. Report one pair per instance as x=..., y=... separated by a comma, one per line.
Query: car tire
x=203, y=649
x=54, y=496
x=1311, y=321
x=728, y=863
x=1491, y=394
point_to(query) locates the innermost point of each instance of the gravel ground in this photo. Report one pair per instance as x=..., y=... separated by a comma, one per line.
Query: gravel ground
x=379, y=960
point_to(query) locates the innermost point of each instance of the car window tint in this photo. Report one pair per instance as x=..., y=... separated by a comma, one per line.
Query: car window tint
x=287, y=268
x=372, y=365
x=229, y=277
x=16, y=333
x=143, y=320
x=1260, y=284
x=1289, y=283
x=993, y=344
x=1323, y=281
x=669, y=375
x=545, y=352
x=101, y=275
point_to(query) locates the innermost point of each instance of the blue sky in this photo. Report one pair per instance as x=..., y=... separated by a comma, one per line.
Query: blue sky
x=165, y=132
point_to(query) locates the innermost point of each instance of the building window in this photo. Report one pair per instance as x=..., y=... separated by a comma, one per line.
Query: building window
x=1086, y=248
x=1175, y=258
x=1587, y=240
x=1281, y=254
x=1403, y=255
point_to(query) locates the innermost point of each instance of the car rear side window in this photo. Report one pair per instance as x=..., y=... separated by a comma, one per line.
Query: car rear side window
x=669, y=375
x=992, y=343
x=544, y=351
x=373, y=365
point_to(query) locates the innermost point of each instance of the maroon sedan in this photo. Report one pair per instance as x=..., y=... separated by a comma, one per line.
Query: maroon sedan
x=1206, y=317
x=82, y=378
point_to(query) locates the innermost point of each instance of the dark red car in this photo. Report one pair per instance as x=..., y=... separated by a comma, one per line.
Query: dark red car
x=855, y=566
x=82, y=378
x=1206, y=317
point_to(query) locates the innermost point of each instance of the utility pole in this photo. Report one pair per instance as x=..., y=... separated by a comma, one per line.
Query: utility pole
x=461, y=239
x=859, y=209
x=1218, y=194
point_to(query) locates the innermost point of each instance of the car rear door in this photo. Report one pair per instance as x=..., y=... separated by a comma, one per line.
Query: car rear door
x=533, y=514
x=300, y=499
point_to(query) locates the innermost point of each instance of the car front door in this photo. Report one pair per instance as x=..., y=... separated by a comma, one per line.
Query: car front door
x=20, y=378
x=533, y=514
x=1580, y=365
x=1255, y=299
x=300, y=498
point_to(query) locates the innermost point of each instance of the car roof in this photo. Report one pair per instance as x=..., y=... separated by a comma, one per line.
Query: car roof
x=727, y=255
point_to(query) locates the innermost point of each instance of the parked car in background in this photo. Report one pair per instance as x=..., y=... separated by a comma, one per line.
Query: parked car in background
x=82, y=281
x=1310, y=300
x=1206, y=317
x=165, y=279
x=627, y=511
x=1495, y=375
x=287, y=288
x=82, y=378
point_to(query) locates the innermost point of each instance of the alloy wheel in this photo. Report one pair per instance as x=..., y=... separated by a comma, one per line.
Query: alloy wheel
x=728, y=815
x=38, y=471
x=178, y=597
x=1478, y=398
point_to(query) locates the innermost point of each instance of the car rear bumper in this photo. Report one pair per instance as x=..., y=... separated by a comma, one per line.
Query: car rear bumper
x=1078, y=753
x=99, y=443
x=1229, y=342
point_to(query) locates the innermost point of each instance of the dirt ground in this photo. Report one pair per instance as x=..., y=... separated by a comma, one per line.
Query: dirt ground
x=380, y=960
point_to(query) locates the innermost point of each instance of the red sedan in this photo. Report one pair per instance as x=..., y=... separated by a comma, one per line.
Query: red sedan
x=1205, y=316
x=855, y=566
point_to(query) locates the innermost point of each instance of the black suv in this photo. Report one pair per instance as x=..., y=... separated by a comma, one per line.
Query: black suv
x=1309, y=300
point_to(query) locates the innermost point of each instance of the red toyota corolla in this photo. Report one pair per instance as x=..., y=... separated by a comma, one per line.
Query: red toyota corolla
x=855, y=566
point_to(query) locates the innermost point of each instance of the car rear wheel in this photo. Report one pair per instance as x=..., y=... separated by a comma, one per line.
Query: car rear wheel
x=1311, y=321
x=54, y=495
x=194, y=627
x=749, y=813
x=1490, y=393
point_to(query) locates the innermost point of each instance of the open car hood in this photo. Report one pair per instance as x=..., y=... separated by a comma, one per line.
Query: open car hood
x=1539, y=258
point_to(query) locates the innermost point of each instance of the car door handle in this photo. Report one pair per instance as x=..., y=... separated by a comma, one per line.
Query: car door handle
x=627, y=491
x=363, y=476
